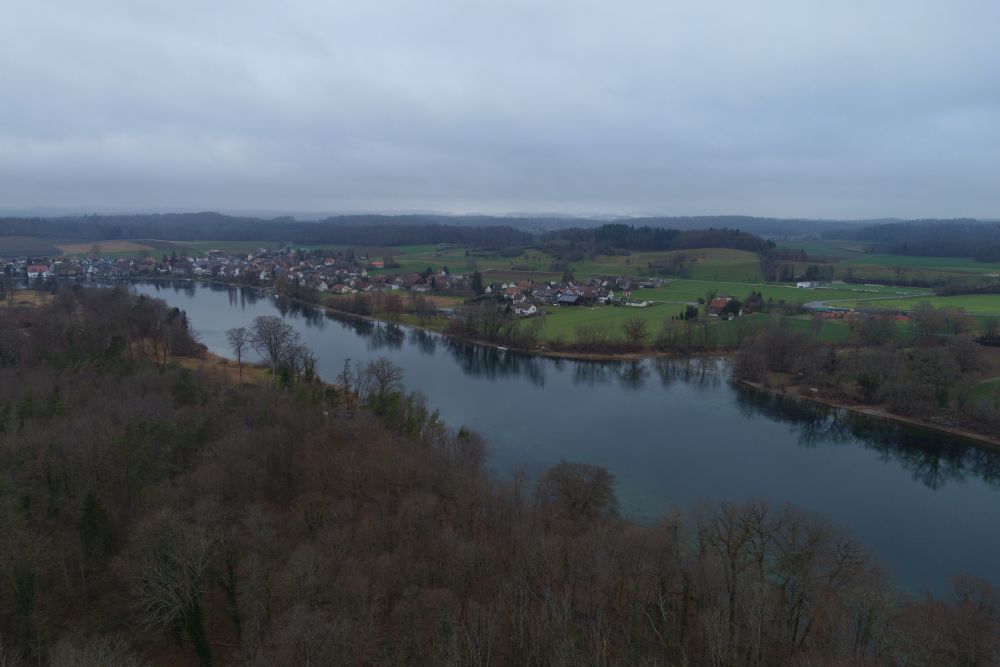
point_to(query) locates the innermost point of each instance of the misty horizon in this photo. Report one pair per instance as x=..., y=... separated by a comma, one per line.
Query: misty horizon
x=319, y=216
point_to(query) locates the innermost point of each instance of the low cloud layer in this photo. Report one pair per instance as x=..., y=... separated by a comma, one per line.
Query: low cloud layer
x=804, y=108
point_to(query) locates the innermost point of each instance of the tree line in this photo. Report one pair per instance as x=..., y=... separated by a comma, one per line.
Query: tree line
x=574, y=243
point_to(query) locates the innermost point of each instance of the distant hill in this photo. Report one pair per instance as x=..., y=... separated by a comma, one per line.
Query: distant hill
x=964, y=237
x=405, y=229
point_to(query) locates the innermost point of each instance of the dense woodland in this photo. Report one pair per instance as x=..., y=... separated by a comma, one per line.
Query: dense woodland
x=934, y=238
x=577, y=242
x=156, y=514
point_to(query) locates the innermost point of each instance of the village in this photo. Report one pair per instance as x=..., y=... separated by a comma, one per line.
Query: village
x=559, y=310
x=339, y=273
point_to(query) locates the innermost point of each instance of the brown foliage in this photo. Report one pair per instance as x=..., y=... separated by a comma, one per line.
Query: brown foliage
x=244, y=524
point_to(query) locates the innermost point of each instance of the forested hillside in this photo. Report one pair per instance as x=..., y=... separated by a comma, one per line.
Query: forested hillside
x=153, y=514
x=934, y=238
x=606, y=239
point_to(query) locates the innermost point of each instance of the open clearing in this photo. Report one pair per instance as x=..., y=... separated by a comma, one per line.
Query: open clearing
x=689, y=291
x=988, y=391
x=564, y=322
x=829, y=249
x=979, y=304
x=109, y=246
x=17, y=246
x=942, y=264
x=702, y=263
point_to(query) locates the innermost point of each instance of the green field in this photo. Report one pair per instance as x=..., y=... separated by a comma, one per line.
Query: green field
x=825, y=248
x=227, y=246
x=703, y=264
x=935, y=264
x=414, y=259
x=988, y=392
x=688, y=291
x=980, y=304
x=563, y=322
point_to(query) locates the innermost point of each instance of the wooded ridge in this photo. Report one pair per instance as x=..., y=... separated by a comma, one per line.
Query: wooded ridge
x=154, y=514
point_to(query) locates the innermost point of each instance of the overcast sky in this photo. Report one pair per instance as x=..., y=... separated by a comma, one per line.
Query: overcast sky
x=846, y=108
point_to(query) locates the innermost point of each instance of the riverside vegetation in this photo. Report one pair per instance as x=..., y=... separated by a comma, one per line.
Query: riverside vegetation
x=152, y=513
x=942, y=374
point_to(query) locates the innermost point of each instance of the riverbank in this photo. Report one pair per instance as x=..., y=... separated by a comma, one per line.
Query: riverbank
x=253, y=373
x=540, y=351
x=990, y=441
x=785, y=391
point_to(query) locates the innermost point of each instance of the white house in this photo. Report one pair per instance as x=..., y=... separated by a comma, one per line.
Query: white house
x=525, y=311
x=36, y=270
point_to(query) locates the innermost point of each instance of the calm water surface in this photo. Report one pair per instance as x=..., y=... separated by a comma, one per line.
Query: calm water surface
x=674, y=433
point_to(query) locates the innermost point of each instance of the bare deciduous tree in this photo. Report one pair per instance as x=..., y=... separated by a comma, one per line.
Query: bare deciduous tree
x=577, y=492
x=239, y=340
x=170, y=583
x=385, y=376
x=636, y=331
x=271, y=337
x=97, y=652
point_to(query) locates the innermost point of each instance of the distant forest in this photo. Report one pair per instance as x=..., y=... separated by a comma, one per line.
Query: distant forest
x=144, y=225
x=348, y=230
x=608, y=237
x=373, y=230
x=976, y=239
x=934, y=238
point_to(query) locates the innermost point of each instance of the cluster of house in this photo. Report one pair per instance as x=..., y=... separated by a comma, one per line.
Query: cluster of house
x=35, y=268
x=337, y=273
x=117, y=267
x=342, y=273
x=527, y=297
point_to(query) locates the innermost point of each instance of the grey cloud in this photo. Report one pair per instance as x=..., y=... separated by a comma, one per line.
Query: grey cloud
x=803, y=108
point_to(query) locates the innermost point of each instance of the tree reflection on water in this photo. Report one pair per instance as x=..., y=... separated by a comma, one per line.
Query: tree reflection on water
x=932, y=458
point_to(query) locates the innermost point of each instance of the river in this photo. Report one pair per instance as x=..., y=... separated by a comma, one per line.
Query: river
x=673, y=432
